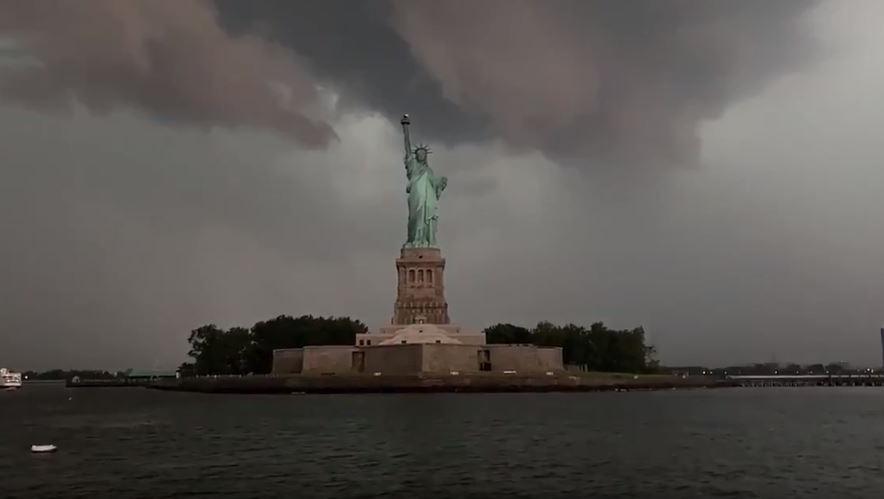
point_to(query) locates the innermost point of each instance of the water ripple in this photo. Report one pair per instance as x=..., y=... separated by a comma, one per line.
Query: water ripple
x=713, y=443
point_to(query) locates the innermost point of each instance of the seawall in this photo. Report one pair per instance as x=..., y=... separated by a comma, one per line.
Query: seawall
x=434, y=383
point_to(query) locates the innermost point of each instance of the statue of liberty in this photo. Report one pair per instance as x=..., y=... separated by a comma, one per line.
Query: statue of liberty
x=424, y=189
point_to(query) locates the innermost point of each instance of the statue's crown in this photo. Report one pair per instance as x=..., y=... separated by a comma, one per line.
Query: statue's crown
x=423, y=147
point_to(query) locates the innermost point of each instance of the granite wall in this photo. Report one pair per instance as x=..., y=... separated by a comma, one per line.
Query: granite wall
x=551, y=358
x=444, y=358
x=525, y=358
x=288, y=361
x=437, y=358
x=393, y=359
x=328, y=359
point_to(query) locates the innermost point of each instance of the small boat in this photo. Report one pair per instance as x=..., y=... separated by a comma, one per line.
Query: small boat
x=43, y=448
x=9, y=380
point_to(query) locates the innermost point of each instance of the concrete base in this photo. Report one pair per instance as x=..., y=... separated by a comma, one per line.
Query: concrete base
x=418, y=358
x=288, y=361
x=328, y=359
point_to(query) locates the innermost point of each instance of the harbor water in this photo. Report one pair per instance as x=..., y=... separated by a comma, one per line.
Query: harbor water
x=734, y=442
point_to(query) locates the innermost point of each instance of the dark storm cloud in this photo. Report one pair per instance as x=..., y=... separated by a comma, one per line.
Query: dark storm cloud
x=353, y=46
x=170, y=59
x=621, y=82
x=585, y=82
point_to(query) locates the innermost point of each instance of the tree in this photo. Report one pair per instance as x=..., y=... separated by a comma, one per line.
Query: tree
x=216, y=351
x=651, y=362
x=599, y=348
x=508, y=333
x=834, y=368
x=815, y=369
x=242, y=351
x=625, y=350
x=187, y=369
x=289, y=332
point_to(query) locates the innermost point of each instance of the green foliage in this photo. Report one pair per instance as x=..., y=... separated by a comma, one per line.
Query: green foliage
x=241, y=351
x=216, y=351
x=598, y=348
x=508, y=333
x=289, y=332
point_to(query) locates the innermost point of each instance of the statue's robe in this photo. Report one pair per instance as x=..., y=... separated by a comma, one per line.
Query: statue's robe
x=423, y=190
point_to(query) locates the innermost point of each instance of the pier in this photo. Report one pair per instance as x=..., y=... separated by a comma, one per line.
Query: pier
x=764, y=380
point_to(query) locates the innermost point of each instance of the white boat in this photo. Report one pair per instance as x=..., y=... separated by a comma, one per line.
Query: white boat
x=44, y=448
x=9, y=380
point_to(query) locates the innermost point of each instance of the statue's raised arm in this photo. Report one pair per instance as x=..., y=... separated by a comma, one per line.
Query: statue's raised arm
x=405, y=122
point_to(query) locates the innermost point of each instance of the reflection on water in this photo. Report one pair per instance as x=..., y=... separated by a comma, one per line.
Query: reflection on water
x=132, y=442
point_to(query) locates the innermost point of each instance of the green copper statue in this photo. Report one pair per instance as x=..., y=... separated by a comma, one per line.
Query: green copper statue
x=424, y=189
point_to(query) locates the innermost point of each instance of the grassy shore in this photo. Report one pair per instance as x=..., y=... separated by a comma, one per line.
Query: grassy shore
x=473, y=382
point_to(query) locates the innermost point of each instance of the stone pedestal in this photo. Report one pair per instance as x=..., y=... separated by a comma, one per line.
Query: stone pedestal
x=420, y=295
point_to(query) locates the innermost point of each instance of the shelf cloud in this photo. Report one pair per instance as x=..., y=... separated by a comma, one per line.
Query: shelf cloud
x=171, y=60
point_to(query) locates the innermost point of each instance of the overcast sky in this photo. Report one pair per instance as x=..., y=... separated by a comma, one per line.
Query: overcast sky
x=711, y=170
